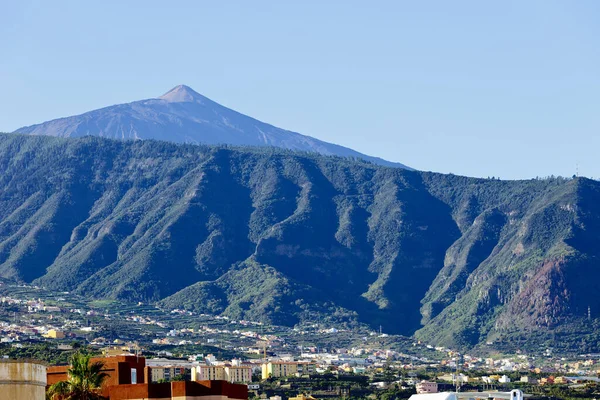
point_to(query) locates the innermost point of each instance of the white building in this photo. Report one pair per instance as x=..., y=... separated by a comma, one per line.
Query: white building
x=529, y=379
x=426, y=387
x=434, y=396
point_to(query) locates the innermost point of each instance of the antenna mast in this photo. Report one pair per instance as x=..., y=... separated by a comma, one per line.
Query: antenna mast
x=589, y=313
x=457, y=386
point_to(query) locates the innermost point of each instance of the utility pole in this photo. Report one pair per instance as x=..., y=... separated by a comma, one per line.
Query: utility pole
x=264, y=344
x=457, y=377
x=589, y=313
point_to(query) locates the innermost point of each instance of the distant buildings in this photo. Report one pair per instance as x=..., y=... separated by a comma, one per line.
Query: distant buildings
x=55, y=334
x=547, y=381
x=529, y=379
x=208, y=372
x=157, y=374
x=234, y=372
x=426, y=387
x=561, y=380
x=302, y=397
x=130, y=379
x=238, y=374
x=276, y=369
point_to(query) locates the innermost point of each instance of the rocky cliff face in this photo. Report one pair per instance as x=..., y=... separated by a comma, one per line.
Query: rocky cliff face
x=282, y=237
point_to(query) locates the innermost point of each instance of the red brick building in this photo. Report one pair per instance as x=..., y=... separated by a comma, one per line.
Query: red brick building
x=120, y=370
x=126, y=381
x=213, y=390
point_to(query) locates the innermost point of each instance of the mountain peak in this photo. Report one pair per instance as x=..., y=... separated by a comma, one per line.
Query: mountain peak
x=181, y=94
x=185, y=116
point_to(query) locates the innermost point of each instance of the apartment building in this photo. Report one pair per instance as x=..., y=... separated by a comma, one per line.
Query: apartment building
x=167, y=373
x=229, y=373
x=276, y=369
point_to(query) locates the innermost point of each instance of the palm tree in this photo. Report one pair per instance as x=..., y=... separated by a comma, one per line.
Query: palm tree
x=84, y=383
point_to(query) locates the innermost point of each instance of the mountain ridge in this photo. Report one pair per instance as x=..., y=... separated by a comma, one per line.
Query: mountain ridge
x=184, y=116
x=284, y=237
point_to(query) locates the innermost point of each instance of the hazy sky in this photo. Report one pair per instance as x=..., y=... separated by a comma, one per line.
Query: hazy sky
x=479, y=88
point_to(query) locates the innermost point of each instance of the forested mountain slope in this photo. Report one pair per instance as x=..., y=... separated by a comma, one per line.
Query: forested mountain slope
x=278, y=236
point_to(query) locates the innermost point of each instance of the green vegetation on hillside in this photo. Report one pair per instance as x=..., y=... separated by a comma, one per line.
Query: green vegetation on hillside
x=283, y=237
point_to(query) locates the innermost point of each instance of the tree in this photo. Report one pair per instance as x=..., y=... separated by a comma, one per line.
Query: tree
x=84, y=382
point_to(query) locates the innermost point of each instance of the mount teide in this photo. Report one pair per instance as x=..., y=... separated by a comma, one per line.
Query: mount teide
x=266, y=234
x=185, y=116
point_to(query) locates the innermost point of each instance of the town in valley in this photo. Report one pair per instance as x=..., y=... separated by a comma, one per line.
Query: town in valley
x=273, y=362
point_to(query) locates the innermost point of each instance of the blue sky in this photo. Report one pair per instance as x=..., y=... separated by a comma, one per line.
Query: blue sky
x=508, y=89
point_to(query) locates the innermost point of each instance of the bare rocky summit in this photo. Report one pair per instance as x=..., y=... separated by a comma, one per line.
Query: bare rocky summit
x=185, y=116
